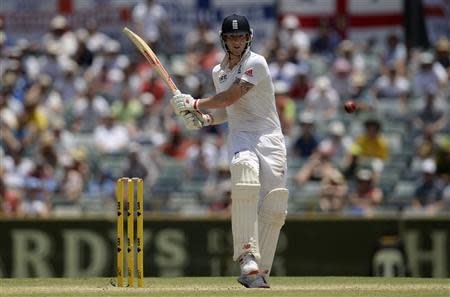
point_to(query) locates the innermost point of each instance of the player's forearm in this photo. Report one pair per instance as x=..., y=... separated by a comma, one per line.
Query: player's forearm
x=220, y=100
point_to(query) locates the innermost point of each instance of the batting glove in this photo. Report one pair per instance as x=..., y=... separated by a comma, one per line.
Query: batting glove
x=194, y=120
x=183, y=102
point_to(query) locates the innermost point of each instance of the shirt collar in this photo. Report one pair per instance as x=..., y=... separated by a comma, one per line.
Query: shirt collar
x=224, y=64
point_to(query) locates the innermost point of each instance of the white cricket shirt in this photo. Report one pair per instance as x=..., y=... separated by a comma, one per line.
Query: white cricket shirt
x=256, y=110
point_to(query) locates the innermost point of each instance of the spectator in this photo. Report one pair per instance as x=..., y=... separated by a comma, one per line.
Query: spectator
x=83, y=56
x=443, y=160
x=155, y=86
x=442, y=48
x=61, y=37
x=90, y=107
x=292, y=36
x=326, y=41
x=300, y=85
x=135, y=166
x=39, y=186
x=10, y=199
x=47, y=149
x=152, y=24
x=307, y=142
x=428, y=193
x=318, y=167
x=103, y=184
x=347, y=51
x=394, y=53
x=425, y=147
x=432, y=117
x=446, y=198
x=8, y=124
x=391, y=85
x=151, y=121
x=66, y=80
x=95, y=39
x=366, y=195
x=17, y=166
x=107, y=64
x=285, y=108
x=341, y=80
x=282, y=69
x=73, y=184
x=197, y=39
x=200, y=161
x=110, y=136
x=52, y=100
x=359, y=93
x=322, y=100
x=210, y=55
x=333, y=192
x=371, y=143
x=177, y=145
x=429, y=75
x=338, y=142
x=128, y=109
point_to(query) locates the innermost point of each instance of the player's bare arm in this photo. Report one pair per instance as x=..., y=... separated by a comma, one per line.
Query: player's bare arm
x=221, y=100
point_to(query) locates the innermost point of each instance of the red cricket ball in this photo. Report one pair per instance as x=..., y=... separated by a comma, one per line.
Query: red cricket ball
x=350, y=106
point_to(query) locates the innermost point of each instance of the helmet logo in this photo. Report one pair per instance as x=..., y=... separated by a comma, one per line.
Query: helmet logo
x=234, y=23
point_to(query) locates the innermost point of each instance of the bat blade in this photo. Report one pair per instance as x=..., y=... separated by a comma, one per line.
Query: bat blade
x=151, y=57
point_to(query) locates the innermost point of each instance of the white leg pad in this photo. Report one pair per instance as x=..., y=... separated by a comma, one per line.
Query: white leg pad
x=244, y=207
x=272, y=215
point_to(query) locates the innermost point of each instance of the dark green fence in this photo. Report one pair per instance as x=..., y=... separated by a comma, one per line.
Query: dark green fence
x=202, y=247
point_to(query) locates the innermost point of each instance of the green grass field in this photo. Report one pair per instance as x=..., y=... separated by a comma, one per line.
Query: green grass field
x=227, y=286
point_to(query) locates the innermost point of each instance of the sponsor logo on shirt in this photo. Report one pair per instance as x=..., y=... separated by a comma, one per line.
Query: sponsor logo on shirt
x=222, y=77
x=249, y=72
x=239, y=69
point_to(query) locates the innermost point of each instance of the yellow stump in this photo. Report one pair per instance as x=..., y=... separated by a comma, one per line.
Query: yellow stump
x=140, y=231
x=130, y=235
x=119, y=194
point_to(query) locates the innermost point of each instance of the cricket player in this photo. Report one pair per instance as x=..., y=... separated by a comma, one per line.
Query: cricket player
x=245, y=98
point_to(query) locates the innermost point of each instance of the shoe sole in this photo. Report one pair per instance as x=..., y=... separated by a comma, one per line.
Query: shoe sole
x=247, y=286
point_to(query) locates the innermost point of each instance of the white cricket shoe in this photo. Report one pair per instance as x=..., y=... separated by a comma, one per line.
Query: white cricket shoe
x=248, y=265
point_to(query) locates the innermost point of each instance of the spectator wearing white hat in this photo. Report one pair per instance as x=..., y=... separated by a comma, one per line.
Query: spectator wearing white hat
x=293, y=37
x=322, y=99
x=61, y=37
x=429, y=74
x=348, y=51
x=338, y=141
x=428, y=193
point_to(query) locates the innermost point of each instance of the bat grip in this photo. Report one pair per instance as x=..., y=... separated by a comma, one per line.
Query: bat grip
x=178, y=92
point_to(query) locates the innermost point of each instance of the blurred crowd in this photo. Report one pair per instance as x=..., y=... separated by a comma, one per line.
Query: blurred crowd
x=80, y=109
